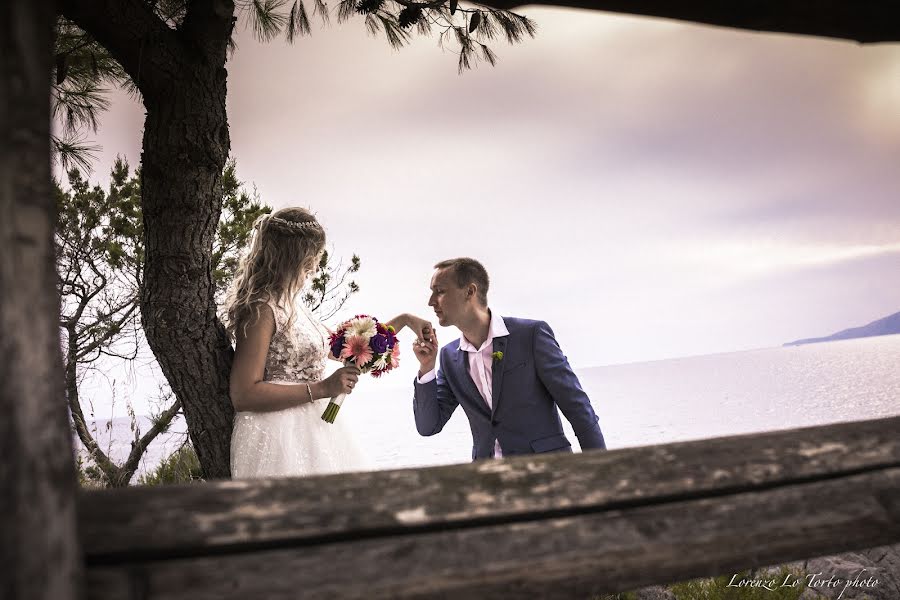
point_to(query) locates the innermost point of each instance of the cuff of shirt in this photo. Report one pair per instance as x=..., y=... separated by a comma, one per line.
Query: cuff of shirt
x=429, y=376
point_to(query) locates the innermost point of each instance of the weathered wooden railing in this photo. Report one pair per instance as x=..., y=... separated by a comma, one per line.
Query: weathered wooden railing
x=551, y=526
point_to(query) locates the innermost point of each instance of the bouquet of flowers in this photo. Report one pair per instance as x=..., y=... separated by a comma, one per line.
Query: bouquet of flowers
x=367, y=344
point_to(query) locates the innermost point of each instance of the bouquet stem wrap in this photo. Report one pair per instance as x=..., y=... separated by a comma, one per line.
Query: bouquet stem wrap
x=334, y=405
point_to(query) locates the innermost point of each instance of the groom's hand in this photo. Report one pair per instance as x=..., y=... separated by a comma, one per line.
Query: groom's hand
x=426, y=352
x=421, y=327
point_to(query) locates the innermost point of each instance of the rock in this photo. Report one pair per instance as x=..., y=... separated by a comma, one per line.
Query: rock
x=873, y=574
x=654, y=592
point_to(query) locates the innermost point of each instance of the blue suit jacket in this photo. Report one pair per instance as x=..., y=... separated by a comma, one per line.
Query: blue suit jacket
x=532, y=379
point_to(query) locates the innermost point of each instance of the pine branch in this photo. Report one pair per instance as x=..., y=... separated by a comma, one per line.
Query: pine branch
x=321, y=9
x=125, y=357
x=84, y=299
x=266, y=18
x=111, y=331
x=139, y=447
x=488, y=55
x=298, y=23
x=346, y=9
x=99, y=457
x=78, y=105
x=396, y=36
x=137, y=38
x=74, y=152
x=373, y=25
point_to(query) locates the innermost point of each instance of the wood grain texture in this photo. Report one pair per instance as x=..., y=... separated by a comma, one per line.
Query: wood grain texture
x=864, y=21
x=39, y=557
x=569, y=557
x=149, y=523
x=549, y=526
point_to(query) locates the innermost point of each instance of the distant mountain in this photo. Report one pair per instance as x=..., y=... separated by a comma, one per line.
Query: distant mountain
x=886, y=326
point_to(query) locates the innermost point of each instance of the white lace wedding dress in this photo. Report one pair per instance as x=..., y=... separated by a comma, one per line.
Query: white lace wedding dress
x=294, y=441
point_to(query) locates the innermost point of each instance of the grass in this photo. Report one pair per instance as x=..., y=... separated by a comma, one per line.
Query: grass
x=724, y=587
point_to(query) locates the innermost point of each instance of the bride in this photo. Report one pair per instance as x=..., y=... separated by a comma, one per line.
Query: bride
x=277, y=385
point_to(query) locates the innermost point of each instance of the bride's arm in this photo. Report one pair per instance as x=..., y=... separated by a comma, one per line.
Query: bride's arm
x=248, y=390
x=421, y=327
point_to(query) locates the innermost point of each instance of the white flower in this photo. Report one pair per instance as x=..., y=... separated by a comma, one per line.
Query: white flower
x=382, y=361
x=363, y=326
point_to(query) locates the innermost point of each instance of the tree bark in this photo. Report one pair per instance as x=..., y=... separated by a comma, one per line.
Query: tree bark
x=39, y=551
x=186, y=144
x=182, y=77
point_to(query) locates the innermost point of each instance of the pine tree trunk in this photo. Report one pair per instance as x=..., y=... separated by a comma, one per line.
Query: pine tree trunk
x=186, y=145
x=39, y=554
x=181, y=75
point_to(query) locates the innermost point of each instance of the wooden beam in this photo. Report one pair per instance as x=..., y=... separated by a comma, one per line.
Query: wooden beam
x=864, y=21
x=39, y=554
x=552, y=526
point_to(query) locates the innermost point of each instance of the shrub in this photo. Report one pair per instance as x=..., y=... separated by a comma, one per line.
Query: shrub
x=182, y=466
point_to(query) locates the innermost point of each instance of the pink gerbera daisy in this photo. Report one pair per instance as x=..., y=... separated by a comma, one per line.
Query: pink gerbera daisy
x=357, y=349
x=395, y=356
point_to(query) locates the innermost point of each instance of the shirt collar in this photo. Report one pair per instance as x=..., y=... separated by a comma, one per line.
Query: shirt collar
x=496, y=329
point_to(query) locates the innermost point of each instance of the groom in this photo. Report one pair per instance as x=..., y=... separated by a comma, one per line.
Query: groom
x=508, y=374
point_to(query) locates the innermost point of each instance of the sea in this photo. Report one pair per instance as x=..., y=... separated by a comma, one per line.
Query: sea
x=638, y=404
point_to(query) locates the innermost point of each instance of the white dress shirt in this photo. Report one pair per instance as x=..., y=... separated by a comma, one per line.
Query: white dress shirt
x=481, y=362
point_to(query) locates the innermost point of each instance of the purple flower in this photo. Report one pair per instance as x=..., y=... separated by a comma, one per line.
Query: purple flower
x=379, y=343
x=337, y=344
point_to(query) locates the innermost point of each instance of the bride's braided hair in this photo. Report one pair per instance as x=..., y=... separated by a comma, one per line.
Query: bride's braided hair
x=298, y=226
x=284, y=250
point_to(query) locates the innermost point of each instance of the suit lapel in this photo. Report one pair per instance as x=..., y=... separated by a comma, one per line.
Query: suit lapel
x=497, y=372
x=462, y=367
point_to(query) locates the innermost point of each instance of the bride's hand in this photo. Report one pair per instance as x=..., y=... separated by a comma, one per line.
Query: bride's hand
x=341, y=381
x=422, y=328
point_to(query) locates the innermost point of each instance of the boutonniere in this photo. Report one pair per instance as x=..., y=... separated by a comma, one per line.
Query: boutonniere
x=498, y=356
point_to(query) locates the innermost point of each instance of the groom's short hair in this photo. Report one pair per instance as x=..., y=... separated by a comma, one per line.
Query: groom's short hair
x=468, y=270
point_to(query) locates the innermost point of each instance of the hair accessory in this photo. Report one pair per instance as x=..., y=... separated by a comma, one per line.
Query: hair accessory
x=304, y=226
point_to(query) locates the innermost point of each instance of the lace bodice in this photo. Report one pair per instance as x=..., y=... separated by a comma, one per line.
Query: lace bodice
x=296, y=353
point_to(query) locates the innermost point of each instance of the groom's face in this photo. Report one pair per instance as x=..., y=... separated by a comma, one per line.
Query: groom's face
x=447, y=299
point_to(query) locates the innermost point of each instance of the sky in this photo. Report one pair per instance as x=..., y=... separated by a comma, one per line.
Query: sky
x=650, y=188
